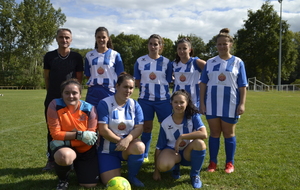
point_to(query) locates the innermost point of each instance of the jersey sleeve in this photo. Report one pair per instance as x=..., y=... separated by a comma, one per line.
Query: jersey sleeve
x=119, y=67
x=242, y=77
x=196, y=65
x=137, y=73
x=197, y=122
x=204, y=76
x=54, y=124
x=139, y=117
x=87, y=67
x=47, y=62
x=162, y=139
x=102, y=111
x=79, y=65
x=169, y=72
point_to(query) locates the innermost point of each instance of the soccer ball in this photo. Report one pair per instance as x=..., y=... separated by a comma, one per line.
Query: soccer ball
x=118, y=183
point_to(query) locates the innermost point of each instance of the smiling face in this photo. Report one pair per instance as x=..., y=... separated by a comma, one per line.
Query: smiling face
x=102, y=39
x=64, y=39
x=71, y=95
x=184, y=50
x=179, y=104
x=124, y=90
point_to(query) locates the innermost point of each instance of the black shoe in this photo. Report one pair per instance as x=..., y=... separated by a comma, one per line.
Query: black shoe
x=49, y=166
x=62, y=185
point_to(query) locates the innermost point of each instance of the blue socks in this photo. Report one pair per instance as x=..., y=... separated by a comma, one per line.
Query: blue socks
x=146, y=139
x=197, y=159
x=230, y=147
x=134, y=164
x=214, y=145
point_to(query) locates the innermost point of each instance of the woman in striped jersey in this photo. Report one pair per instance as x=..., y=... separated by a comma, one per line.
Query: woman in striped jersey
x=187, y=70
x=153, y=73
x=222, y=99
x=102, y=67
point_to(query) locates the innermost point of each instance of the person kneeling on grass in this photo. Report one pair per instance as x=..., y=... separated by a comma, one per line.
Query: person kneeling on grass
x=120, y=123
x=73, y=125
x=180, y=140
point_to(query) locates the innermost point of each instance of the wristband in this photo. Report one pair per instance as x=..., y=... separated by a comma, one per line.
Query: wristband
x=79, y=135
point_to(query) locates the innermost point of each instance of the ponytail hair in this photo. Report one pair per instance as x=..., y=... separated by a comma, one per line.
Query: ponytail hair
x=109, y=42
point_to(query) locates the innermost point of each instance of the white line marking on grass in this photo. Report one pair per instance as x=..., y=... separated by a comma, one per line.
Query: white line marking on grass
x=20, y=127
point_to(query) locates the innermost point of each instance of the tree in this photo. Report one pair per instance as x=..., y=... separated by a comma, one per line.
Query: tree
x=130, y=47
x=7, y=40
x=169, y=50
x=258, y=42
x=33, y=24
x=296, y=74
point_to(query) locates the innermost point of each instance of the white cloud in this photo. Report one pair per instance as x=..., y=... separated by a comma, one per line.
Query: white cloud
x=169, y=18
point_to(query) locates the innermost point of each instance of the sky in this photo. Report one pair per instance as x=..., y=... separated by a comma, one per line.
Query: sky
x=168, y=18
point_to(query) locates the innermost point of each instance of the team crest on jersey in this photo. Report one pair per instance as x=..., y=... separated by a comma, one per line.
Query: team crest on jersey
x=152, y=76
x=143, y=59
x=82, y=117
x=100, y=70
x=222, y=77
x=122, y=126
x=91, y=55
x=182, y=78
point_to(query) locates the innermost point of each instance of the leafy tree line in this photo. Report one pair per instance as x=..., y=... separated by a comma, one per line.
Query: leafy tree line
x=28, y=28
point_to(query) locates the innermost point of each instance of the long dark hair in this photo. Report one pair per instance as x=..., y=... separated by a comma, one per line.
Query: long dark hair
x=109, y=42
x=191, y=109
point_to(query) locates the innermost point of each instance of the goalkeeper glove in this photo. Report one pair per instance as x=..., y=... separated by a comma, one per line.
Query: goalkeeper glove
x=88, y=137
x=57, y=143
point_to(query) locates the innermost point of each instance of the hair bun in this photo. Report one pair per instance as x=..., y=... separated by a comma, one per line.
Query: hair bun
x=225, y=30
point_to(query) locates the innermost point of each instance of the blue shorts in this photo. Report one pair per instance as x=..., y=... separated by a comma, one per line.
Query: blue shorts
x=97, y=93
x=183, y=161
x=109, y=161
x=226, y=119
x=163, y=109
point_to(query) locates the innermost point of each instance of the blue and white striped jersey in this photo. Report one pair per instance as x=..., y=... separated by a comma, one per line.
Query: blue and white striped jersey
x=187, y=76
x=223, y=79
x=103, y=68
x=155, y=76
x=170, y=131
x=121, y=120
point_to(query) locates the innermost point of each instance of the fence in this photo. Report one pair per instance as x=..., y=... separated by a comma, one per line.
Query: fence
x=256, y=85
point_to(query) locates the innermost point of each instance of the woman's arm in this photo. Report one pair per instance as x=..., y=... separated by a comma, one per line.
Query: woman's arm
x=106, y=133
x=202, y=98
x=241, y=107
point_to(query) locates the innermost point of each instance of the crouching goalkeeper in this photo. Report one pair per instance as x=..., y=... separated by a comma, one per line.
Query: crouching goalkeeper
x=73, y=125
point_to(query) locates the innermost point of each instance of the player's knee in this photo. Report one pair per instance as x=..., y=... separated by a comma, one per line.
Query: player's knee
x=199, y=144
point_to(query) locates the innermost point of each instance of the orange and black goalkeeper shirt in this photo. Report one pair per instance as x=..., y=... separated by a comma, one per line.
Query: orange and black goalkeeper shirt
x=60, y=121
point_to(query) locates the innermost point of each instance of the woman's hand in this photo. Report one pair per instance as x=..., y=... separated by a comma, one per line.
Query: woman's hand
x=156, y=175
x=122, y=145
x=240, y=109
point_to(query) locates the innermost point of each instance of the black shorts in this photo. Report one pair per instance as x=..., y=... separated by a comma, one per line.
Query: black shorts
x=86, y=167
